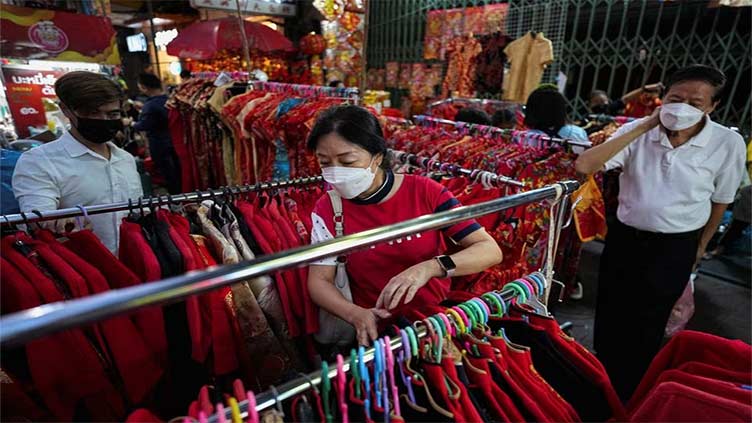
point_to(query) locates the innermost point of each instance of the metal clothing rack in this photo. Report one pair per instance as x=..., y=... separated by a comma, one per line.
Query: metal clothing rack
x=306, y=382
x=609, y=118
x=453, y=169
x=191, y=197
x=479, y=101
x=352, y=93
x=488, y=130
x=26, y=325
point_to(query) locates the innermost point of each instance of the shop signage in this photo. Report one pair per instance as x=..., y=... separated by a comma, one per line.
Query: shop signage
x=52, y=35
x=25, y=87
x=261, y=7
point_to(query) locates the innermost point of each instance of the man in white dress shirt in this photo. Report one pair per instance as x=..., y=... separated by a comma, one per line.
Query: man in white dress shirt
x=82, y=167
x=680, y=171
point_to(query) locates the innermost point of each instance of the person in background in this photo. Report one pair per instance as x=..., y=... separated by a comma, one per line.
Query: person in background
x=336, y=84
x=153, y=120
x=680, y=172
x=472, y=115
x=82, y=167
x=546, y=114
x=504, y=119
x=185, y=75
x=600, y=103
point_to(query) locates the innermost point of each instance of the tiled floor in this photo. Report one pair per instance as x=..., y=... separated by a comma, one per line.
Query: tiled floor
x=723, y=305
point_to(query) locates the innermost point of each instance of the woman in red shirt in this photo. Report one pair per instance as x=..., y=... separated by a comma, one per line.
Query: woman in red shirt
x=400, y=277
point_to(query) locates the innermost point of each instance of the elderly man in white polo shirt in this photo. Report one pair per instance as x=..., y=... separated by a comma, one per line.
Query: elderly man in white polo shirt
x=680, y=170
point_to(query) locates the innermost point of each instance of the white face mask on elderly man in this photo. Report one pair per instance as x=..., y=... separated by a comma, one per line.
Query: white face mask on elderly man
x=349, y=182
x=678, y=116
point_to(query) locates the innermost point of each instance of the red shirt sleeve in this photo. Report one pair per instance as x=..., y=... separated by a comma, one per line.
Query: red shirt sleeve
x=441, y=199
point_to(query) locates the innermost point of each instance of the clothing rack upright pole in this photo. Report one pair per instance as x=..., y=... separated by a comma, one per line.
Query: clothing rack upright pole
x=495, y=130
x=33, y=323
x=191, y=197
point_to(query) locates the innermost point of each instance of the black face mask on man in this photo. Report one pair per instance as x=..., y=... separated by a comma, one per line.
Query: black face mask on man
x=98, y=131
x=600, y=108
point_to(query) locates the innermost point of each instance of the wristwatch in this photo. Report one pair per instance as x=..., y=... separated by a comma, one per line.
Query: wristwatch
x=447, y=264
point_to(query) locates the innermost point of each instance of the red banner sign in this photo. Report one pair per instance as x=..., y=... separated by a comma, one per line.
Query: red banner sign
x=51, y=35
x=25, y=87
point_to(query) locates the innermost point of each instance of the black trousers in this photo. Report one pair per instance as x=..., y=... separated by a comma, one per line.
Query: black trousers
x=167, y=163
x=642, y=275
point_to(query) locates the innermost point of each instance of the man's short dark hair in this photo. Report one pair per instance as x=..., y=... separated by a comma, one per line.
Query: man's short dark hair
x=503, y=117
x=472, y=115
x=597, y=93
x=86, y=92
x=149, y=80
x=704, y=73
x=185, y=74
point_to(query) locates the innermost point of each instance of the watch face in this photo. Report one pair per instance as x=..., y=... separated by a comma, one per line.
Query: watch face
x=447, y=262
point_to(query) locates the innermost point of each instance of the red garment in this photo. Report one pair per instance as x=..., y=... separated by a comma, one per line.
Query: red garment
x=135, y=361
x=724, y=389
x=673, y=402
x=57, y=360
x=177, y=135
x=450, y=392
x=149, y=321
x=580, y=357
x=688, y=346
x=181, y=237
x=499, y=402
x=370, y=270
x=707, y=370
x=136, y=254
x=142, y=415
x=269, y=241
x=522, y=370
x=217, y=307
x=528, y=400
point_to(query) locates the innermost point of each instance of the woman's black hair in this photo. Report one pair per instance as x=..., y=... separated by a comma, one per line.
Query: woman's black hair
x=472, y=115
x=546, y=110
x=353, y=123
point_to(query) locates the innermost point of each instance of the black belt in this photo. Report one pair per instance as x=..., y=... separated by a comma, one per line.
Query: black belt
x=640, y=234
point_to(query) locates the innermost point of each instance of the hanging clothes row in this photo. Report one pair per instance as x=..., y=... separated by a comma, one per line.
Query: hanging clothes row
x=164, y=355
x=521, y=234
x=246, y=135
x=499, y=357
x=238, y=328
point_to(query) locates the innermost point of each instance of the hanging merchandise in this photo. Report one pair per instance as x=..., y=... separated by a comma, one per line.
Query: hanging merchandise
x=344, y=32
x=460, y=77
x=490, y=63
x=528, y=55
x=392, y=75
x=521, y=235
x=442, y=26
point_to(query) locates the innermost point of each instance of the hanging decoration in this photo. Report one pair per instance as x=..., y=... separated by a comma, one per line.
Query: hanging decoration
x=344, y=32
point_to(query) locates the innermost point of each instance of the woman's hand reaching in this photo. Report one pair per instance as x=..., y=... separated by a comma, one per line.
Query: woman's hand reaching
x=407, y=283
x=365, y=322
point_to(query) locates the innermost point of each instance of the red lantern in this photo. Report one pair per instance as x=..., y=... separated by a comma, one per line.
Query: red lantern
x=312, y=44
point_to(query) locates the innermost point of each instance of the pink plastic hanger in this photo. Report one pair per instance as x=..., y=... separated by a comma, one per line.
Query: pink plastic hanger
x=392, y=382
x=341, y=382
x=253, y=416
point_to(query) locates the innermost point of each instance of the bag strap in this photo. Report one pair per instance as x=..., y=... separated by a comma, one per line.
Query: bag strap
x=339, y=219
x=339, y=227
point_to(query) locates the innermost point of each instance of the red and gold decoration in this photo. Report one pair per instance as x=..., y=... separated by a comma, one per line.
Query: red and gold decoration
x=52, y=35
x=312, y=44
x=344, y=33
x=445, y=25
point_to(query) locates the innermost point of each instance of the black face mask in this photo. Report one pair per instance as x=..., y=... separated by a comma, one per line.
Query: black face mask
x=600, y=108
x=98, y=131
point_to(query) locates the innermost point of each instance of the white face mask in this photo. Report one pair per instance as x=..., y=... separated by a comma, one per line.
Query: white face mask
x=349, y=182
x=678, y=116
